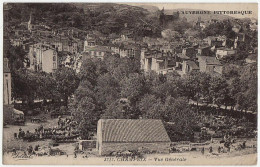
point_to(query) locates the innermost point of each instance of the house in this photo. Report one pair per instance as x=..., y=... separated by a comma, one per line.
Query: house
x=236, y=28
x=223, y=52
x=210, y=65
x=65, y=44
x=129, y=50
x=89, y=43
x=204, y=50
x=80, y=44
x=253, y=27
x=57, y=44
x=96, y=51
x=155, y=60
x=7, y=83
x=252, y=58
x=49, y=60
x=114, y=48
x=43, y=58
x=73, y=46
x=215, y=41
x=189, y=66
x=167, y=49
x=118, y=135
x=180, y=58
x=188, y=51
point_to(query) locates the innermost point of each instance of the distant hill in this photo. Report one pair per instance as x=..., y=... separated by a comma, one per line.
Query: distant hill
x=150, y=8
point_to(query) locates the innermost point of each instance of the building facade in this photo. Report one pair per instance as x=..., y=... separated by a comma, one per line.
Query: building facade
x=118, y=135
x=7, y=83
x=43, y=58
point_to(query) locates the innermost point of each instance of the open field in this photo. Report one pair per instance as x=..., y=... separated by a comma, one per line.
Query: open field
x=189, y=158
x=245, y=156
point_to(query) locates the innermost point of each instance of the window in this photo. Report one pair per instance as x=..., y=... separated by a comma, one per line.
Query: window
x=54, y=66
x=54, y=52
x=54, y=58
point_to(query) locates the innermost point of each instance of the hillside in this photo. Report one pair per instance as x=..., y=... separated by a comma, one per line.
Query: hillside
x=104, y=17
x=150, y=8
x=107, y=18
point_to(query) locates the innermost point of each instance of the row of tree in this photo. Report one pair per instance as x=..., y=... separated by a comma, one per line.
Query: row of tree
x=116, y=88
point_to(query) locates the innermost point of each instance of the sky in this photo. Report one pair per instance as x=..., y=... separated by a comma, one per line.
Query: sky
x=209, y=6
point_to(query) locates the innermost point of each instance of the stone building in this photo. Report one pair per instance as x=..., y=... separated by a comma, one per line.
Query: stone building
x=43, y=58
x=224, y=52
x=210, y=65
x=118, y=135
x=7, y=83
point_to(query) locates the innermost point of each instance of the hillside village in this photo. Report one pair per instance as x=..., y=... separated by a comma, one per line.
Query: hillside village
x=161, y=67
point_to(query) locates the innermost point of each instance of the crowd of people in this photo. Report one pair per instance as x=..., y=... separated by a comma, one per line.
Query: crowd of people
x=65, y=128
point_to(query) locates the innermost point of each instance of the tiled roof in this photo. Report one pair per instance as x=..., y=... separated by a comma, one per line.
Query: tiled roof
x=133, y=130
x=210, y=60
x=193, y=65
x=182, y=56
x=98, y=48
x=226, y=49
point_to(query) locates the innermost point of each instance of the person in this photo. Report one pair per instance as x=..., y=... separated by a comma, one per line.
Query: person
x=40, y=128
x=40, y=135
x=210, y=149
x=228, y=149
x=219, y=149
x=36, y=148
x=29, y=149
x=244, y=144
x=20, y=129
x=21, y=134
x=14, y=151
x=77, y=147
x=15, y=135
x=202, y=150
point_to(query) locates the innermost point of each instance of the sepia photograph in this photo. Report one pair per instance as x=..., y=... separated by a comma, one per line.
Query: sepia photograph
x=110, y=83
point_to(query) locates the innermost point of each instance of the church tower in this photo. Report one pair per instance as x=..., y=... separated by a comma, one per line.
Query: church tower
x=162, y=17
x=30, y=26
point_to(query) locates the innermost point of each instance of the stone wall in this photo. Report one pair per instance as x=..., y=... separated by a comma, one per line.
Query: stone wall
x=159, y=147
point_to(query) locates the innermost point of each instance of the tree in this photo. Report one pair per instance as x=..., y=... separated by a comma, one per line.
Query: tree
x=247, y=98
x=179, y=114
x=108, y=89
x=120, y=109
x=146, y=103
x=67, y=82
x=85, y=109
x=218, y=90
x=152, y=111
x=197, y=86
x=47, y=87
x=24, y=86
x=86, y=115
x=234, y=90
x=16, y=57
x=132, y=87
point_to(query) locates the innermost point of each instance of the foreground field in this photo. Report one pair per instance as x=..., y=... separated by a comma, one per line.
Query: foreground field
x=167, y=159
x=246, y=156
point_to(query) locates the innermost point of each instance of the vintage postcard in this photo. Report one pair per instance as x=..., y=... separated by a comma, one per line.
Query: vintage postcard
x=130, y=83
